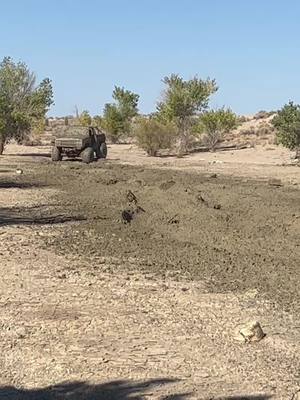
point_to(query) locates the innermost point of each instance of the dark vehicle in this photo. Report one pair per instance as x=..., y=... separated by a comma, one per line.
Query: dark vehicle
x=88, y=143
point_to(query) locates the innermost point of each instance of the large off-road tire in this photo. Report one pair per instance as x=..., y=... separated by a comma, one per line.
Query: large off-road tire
x=103, y=150
x=87, y=155
x=56, y=154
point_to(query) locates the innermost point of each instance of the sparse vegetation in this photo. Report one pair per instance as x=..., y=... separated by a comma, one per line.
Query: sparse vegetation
x=287, y=125
x=23, y=104
x=97, y=121
x=264, y=114
x=214, y=124
x=182, y=101
x=242, y=119
x=153, y=135
x=85, y=119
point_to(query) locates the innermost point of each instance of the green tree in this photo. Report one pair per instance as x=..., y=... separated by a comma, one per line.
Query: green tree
x=214, y=124
x=23, y=103
x=113, y=122
x=152, y=134
x=287, y=125
x=118, y=116
x=182, y=101
x=85, y=119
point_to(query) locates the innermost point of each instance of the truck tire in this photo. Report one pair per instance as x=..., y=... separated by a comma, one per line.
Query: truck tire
x=87, y=155
x=56, y=154
x=103, y=150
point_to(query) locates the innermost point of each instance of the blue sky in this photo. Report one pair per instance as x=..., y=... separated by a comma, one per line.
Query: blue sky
x=252, y=48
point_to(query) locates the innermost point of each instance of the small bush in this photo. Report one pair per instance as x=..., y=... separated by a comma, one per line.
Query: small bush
x=242, y=118
x=214, y=124
x=248, y=131
x=287, y=125
x=264, y=114
x=153, y=135
x=264, y=129
x=261, y=114
x=85, y=119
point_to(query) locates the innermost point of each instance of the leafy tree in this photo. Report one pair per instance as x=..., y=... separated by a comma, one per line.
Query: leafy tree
x=113, y=122
x=117, y=116
x=287, y=125
x=214, y=124
x=85, y=119
x=153, y=135
x=23, y=104
x=127, y=102
x=182, y=101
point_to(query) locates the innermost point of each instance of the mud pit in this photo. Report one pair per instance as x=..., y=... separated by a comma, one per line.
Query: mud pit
x=232, y=234
x=157, y=299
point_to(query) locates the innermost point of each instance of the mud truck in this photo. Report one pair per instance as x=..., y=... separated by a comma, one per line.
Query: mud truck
x=88, y=143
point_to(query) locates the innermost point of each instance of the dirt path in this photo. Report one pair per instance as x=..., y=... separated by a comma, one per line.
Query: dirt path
x=260, y=162
x=89, y=298
x=59, y=323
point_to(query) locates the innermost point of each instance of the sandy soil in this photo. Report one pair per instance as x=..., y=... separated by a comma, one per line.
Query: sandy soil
x=150, y=308
x=260, y=162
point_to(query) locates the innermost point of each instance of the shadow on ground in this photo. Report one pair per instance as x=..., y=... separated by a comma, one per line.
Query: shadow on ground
x=47, y=155
x=115, y=390
x=18, y=185
x=33, y=215
x=251, y=397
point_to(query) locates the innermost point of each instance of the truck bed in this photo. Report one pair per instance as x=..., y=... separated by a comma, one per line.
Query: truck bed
x=75, y=143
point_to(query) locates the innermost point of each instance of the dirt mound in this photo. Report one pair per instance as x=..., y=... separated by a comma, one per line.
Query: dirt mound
x=256, y=130
x=232, y=234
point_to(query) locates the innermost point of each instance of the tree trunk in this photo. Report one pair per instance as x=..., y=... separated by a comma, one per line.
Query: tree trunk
x=1, y=145
x=184, y=138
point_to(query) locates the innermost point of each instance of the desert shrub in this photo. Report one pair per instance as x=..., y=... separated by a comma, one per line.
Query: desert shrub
x=214, y=124
x=287, y=126
x=264, y=129
x=242, y=118
x=85, y=119
x=182, y=101
x=118, y=116
x=97, y=121
x=264, y=114
x=261, y=114
x=153, y=135
x=248, y=131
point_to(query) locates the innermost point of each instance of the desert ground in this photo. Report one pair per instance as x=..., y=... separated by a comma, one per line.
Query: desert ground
x=99, y=305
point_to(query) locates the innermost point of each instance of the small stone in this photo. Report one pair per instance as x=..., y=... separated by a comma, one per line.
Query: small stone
x=252, y=332
x=21, y=333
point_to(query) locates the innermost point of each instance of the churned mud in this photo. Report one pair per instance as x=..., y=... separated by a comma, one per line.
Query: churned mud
x=130, y=282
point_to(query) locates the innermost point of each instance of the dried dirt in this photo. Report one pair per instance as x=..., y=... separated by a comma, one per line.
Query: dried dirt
x=155, y=301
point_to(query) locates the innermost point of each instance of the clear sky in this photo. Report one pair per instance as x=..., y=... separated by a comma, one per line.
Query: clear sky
x=252, y=48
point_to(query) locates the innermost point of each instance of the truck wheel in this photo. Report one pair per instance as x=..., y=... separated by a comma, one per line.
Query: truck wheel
x=87, y=155
x=56, y=154
x=103, y=150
